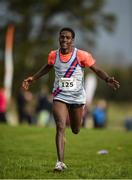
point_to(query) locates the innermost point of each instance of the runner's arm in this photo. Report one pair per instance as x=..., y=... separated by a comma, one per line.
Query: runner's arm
x=44, y=70
x=104, y=76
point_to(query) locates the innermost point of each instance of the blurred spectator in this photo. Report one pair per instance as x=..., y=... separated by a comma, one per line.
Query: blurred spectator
x=90, y=88
x=26, y=107
x=44, y=106
x=128, y=123
x=99, y=114
x=21, y=102
x=30, y=107
x=3, y=106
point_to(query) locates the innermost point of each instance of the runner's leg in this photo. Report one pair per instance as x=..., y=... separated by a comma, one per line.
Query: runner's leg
x=76, y=114
x=60, y=113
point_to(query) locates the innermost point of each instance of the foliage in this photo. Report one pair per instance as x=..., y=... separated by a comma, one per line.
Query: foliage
x=1, y=73
x=36, y=26
x=123, y=75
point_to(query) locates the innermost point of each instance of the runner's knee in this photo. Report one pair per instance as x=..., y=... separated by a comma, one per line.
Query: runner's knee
x=60, y=127
x=75, y=130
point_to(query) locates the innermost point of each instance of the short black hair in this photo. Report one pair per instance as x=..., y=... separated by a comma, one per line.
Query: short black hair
x=68, y=29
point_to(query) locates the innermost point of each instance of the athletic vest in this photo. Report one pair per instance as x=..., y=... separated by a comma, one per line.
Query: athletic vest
x=69, y=80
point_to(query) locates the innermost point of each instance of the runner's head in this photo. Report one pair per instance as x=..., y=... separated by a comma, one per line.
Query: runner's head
x=69, y=30
x=66, y=38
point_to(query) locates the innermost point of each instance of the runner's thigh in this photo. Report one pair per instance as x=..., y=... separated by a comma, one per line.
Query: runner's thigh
x=60, y=112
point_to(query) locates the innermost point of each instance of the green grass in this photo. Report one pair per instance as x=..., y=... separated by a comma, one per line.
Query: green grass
x=28, y=152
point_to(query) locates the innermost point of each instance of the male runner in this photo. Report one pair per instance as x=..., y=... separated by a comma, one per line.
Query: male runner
x=68, y=92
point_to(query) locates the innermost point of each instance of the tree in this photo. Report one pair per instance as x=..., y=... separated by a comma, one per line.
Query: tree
x=37, y=22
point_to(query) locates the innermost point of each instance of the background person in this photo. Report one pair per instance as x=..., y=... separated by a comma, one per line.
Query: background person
x=44, y=107
x=26, y=107
x=90, y=88
x=3, y=106
x=99, y=114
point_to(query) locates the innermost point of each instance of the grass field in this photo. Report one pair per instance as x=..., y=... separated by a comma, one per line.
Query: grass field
x=28, y=152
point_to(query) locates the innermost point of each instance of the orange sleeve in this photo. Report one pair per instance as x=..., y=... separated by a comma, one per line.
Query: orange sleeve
x=85, y=59
x=51, y=57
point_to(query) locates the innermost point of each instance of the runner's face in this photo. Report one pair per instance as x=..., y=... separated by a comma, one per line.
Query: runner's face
x=65, y=40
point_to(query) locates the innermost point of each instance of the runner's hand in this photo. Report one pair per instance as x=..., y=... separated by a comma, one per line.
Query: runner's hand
x=113, y=83
x=26, y=83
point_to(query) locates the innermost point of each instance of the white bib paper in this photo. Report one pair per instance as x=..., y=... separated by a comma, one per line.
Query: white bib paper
x=68, y=84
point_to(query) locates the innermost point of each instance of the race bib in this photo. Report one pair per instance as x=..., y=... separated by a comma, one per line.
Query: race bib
x=68, y=84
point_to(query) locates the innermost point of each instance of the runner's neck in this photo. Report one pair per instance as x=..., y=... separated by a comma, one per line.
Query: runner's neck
x=66, y=51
